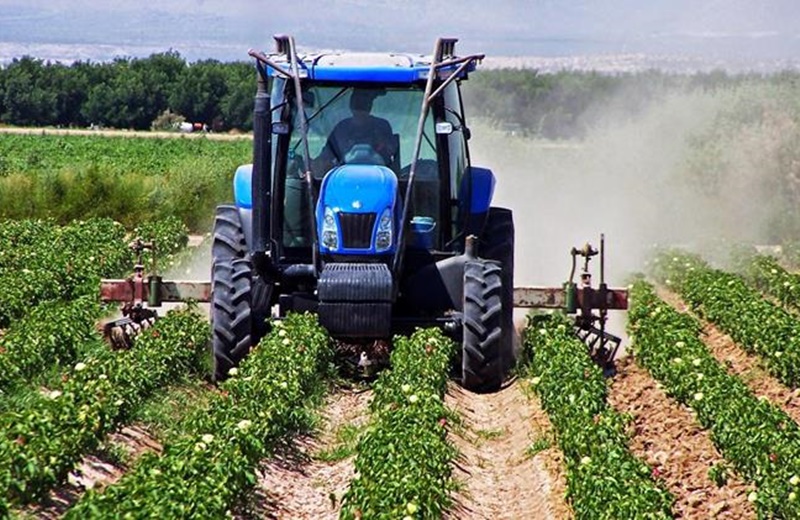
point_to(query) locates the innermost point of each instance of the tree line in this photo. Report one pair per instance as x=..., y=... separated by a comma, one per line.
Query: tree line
x=567, y=104
x=136, y=92
x=127, y=92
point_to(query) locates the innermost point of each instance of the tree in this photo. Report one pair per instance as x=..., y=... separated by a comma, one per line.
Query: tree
x=26, y=99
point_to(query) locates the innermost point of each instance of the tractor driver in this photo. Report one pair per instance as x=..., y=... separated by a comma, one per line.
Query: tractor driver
x=360, y=139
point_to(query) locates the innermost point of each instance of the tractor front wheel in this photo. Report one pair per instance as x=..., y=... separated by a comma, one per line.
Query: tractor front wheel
x=481, y=355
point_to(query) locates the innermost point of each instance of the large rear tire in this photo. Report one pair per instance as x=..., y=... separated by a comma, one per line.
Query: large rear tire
x=234, y=293
x=231, y=314
x=481, y=361
x=497, y=243
x=229, y=241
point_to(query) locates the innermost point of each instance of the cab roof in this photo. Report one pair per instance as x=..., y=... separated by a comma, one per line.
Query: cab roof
x=366, y=67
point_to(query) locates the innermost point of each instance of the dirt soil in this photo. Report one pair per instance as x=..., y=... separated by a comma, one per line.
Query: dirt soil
x=667, y=436
x=294, y=484
x=739, y=363
x=96, y=471
x=499, y=477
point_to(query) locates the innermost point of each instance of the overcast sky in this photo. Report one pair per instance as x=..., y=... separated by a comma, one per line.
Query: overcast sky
x=224, y=29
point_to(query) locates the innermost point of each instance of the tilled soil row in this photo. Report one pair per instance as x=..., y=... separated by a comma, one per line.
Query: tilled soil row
x=667, y=436
x=738, y=362
x=95, y=472
x=294, y=484
x=499, y=476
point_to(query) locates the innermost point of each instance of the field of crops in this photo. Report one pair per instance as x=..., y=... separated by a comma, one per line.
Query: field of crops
x=700, y=419
x=128, y=179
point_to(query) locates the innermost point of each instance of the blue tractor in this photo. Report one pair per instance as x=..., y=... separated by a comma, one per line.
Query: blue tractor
x=362, y=206
x=377, y=230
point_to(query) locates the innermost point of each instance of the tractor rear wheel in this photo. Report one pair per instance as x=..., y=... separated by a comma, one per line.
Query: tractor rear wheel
x=481, y=360
x=497, y=243
x=235, y=292
x=229, y=241
x=231, y=314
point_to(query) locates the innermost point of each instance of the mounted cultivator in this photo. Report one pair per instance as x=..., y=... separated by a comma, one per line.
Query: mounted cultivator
x=141, y=294
x=582, y=300
x=349, y=213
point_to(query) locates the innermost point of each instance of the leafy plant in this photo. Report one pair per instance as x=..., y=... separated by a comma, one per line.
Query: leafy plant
x=757, y=325
x=719, y=473
x=41, y=443
x=604, y=480
x=394, y=479
x=758, y=439
x=204, y=473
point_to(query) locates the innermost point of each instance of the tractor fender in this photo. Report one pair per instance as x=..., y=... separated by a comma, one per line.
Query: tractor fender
x=437, y=287
x=243, y=196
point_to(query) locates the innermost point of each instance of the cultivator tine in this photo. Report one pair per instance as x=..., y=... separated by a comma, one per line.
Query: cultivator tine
x=122, y=333
x=603, y=346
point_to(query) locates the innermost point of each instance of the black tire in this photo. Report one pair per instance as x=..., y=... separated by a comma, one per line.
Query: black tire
x=231, y=314
x=229, y=241
x=481, y=362
x=230, y=246
x=497, y=243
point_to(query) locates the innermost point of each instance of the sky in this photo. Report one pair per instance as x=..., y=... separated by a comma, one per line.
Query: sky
x=740, y=30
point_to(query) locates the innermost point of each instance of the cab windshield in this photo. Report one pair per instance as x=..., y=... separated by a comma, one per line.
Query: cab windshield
x=334, y=113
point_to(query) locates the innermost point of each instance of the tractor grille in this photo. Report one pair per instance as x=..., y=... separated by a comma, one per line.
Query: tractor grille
x=357, y=229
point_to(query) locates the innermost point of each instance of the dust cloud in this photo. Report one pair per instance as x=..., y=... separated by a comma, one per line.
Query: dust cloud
x=626, y=179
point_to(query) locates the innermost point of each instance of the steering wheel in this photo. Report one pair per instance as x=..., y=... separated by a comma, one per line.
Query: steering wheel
x=362, y=153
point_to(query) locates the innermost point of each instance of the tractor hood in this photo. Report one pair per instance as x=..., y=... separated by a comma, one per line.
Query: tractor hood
x=356, y=210
x=359, y=188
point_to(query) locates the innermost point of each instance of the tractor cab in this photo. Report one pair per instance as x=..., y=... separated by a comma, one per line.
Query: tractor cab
x=361, y=115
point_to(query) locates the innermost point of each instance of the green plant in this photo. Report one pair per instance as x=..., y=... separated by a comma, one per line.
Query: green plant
x=758, y=439
x=539, y=444
x=757, y=325
x=604, y=480
x=719, y=474
x=41, y=443
x=409, y=419
x=203, y=473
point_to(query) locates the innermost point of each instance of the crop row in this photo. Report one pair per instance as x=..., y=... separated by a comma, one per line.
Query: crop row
x=51, y=334
x=41, y=261
x=768, y=276
x=123, y=178
x=404, y=459
x=40, y=154
x=757, y=325
x=51, y=262
x=604, y=479
x=41, y=442
x=758, y=438
x=204, y=474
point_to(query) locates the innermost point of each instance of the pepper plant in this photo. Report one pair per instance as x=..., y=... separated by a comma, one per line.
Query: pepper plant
x=604, y=479
x=761, y=442
x=404, y=461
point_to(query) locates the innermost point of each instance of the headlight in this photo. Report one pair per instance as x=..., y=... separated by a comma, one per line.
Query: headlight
x=383, y=239
x=330, y=234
